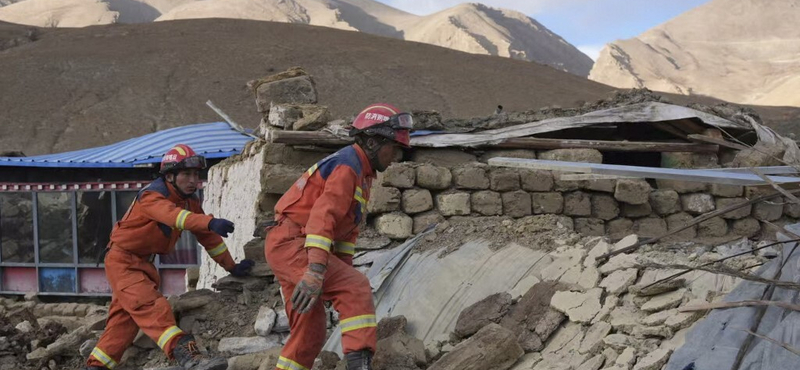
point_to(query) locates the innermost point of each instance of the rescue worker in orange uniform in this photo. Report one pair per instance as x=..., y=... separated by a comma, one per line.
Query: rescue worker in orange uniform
x=152, y=225
x=311, y=247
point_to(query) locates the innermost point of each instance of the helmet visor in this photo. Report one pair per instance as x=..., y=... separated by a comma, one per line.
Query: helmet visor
x=196, y=161
x=401, y=121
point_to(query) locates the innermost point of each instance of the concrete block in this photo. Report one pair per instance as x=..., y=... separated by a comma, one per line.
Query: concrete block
x=504, y=179
x=698, y=203
x=737, y=214
x=400, y=175
x=453, y=204
x=619, y=228
x=577, y=203
x=714, y=227
x=649, y=227
x=665, y=202
x=295, y=90
x=434, y=177
x=517, y=203
x=637, y=210
x=602, y=185
x=728, y=191
x=534, y=180
x=395, y=225
x=590, y=226
x=423, y=220
x=768, y=210
x=417, y=201
x=748, y=227
x=678, y=220
x=604, y=207
x=473, y=177
x=564, y=186
x=682, y=187
x=487, y=203
x=573, y=155
x=632, y=191
x=383, y=199
x=547, y=203
x=449, y=158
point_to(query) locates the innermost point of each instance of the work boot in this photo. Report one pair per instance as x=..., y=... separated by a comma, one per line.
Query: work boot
x=189, y=356
x=359, y=360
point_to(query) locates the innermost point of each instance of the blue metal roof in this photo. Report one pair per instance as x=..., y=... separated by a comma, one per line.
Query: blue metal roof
x=212, y=140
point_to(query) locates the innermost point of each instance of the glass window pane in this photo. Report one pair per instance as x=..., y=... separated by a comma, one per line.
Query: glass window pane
x=16, y=227
x=185, y=252
x=124, y=200
x=55, y=227
x=94, y=224
x=57, y=280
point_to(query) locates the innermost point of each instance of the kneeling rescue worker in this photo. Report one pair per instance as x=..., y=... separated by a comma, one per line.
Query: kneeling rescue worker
x=152, y=225
x=319, y=216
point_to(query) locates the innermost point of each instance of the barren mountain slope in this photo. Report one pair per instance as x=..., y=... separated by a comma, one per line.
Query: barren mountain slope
x=745, y=51
x=77, y=88
x=59, y=13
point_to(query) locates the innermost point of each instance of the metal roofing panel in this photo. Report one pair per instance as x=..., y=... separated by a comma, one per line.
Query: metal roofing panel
x=212, y=140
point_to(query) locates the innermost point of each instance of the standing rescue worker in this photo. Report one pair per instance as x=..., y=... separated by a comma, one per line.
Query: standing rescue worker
x=152, y=225
x=319, y=216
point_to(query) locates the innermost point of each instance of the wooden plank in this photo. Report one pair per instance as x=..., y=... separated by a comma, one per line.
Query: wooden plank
x=320, y=138
x=717, y=141
x=603, y=145
x=715, y=177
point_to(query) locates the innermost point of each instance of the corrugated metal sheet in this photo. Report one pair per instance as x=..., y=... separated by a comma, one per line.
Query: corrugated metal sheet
x=212, y=140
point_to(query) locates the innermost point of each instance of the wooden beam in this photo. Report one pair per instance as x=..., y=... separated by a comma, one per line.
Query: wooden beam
x=320, y=138
x=604, y=145
x=717, y=141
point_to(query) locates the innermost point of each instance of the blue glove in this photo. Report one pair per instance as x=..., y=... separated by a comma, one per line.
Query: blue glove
x=242, y=268
x=221, y=226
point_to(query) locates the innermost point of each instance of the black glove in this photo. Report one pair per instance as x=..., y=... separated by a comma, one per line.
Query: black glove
x=242, y=268
x=221, y=226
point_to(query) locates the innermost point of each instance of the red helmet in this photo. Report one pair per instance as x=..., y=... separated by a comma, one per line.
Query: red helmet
x=384, y=120
x=181, y=157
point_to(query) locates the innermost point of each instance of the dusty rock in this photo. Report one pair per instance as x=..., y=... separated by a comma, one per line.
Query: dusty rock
x=562, y=264
x=508, y=153
x=626, y=358
x=87, y=347
x=636, y=210
x=383, y=199
x=547, y=203
x=625, y=318
x=400, y=175
x=389, y=326
x=561, y=351
x=658, y=331
x=667, y=286
x=604, y=207
x=653, y=360
x=281, y=177
x=282, y=322
x=602, y=185
x=254, y=361
x=488, y=310
x=619, y=228
x=610, y=355
x=399, y=351
x=517, y=203
x=423, y=220
x=493, y=347
x=471, y=176
x=728, y=191
x=650, y=227
x=618, y=262
x=658, y=318
x=664, y=301
x=748, y=227
x=697, y=203
x=682, y=187
x=593, y=363
x=593, y=340
x=737, y=214
x=665, y=202
x=580, y=307
x=679, y=220
x=791, y=209
x=434, y=177
x=312, y=119
x=573, y=155
x=713, y=227
x=64, y=345
x=577, y=203
x=632, y=191
x=533, y=180
x=590, y=226
x=265, y=320
x=627, y=241
x=453, y=204
x=487, y=203
x=767, y=211
x=528, y=361
x=417, y=201
x=245, y=345
x=395, y=225
x=531, y=319
x=564, y=186
x=618, y=282
x=618, y=342
x=442, y=157
x=295, y=90
x=504, y=179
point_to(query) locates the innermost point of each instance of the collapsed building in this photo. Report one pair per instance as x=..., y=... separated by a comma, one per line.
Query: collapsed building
x=520, y=240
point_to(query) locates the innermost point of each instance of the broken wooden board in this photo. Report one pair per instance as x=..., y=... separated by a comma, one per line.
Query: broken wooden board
x=707, y=176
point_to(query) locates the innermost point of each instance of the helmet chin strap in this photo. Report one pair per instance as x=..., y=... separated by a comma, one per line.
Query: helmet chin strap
x=372, y=155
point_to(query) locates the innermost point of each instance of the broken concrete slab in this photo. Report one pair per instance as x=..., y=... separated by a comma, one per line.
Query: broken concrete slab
x=664, y=301
x=245, y=345
x=580, y=307
x=617, y=282
x=618, y=262
x=653, y=360
x=593, y=340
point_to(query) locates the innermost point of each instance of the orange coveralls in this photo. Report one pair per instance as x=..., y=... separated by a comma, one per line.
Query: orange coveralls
x=152, y=225
x=319, y=215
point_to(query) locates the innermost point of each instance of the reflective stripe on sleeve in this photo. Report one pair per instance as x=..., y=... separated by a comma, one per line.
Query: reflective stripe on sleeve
x=318, y=241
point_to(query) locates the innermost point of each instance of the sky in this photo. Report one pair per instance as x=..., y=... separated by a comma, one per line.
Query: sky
x=587, y=24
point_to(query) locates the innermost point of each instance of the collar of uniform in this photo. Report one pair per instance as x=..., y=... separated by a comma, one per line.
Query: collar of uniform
x=364, y=161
